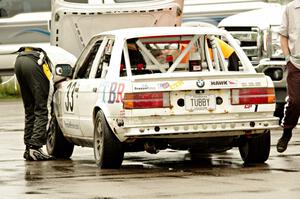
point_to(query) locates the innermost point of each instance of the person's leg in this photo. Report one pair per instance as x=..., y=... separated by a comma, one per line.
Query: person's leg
x=39, y=86
x=40, y=92
x=28, y=101
x=292, y=108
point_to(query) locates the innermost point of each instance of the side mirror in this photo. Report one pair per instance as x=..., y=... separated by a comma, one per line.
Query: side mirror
x=64, y=70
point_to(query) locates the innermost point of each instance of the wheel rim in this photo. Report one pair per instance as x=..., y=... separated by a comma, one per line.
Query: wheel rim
x=98, y=141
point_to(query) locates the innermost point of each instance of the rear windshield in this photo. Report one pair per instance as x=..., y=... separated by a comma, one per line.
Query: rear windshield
x=192, y=53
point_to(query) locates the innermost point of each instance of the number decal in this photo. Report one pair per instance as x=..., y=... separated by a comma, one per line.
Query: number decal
x=69, y=98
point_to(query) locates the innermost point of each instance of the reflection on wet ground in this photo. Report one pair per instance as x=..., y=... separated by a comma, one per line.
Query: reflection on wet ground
x=169, y=174
x=156, y=176
x=140, y=165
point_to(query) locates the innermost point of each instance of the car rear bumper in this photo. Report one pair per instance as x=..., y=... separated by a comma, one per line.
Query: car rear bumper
x=201, y=129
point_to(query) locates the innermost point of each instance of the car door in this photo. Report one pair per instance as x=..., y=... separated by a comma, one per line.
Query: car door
x=68, y=114
x=72, y=92
x=89, y=89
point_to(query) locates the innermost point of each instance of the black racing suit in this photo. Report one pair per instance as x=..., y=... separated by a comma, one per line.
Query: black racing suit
x=34, y=87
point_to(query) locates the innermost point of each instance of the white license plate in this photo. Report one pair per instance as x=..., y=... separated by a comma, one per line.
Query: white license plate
x=200, y=102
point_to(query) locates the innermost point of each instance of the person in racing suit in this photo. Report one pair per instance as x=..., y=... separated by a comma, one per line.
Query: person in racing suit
x=33, y=74
x=228, y=53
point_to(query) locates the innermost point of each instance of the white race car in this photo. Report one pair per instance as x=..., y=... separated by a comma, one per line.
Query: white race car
x=164, y=87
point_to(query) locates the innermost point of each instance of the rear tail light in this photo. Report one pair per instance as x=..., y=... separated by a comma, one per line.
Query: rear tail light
x=146, y=100
x=252, y=96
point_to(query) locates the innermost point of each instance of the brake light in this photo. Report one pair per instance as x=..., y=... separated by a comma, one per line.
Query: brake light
x=252, y=96
x=146, y=100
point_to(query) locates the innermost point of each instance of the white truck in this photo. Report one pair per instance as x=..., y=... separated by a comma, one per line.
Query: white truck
x=213, y=11
x=257, y=33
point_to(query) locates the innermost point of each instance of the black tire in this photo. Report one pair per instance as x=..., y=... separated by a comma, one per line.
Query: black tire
x=57, y=145
x=256, y=149
x=108, y=150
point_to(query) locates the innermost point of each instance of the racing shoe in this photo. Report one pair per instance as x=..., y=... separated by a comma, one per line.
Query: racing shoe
x=37, y=154
x=26, y=154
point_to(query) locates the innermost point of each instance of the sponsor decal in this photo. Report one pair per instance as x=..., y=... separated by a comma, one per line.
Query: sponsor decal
x=122, y=113
x=257, y=83
x=176, y=84
x=69, y=124
x=144, y=87
x=248, y=106
x=251, y=83
x=222, y=83
x=219, y=83
x=164, y=85
x=200, y=83
x=231, y=82
x=114, y=94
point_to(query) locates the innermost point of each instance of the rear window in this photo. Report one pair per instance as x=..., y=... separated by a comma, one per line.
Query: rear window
x=191, y=53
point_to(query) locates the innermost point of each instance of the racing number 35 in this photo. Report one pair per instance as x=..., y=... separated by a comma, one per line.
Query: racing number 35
x=69, y=98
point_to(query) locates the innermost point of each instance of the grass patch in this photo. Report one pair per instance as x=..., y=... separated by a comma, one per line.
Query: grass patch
x=9, y=87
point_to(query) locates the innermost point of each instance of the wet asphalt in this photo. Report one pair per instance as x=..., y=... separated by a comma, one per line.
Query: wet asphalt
x=168, y=174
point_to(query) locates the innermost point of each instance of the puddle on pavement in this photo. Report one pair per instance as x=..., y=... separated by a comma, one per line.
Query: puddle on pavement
x=142, y=165
x=136, y=167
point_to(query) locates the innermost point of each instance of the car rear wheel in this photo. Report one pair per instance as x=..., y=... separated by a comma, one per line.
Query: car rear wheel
x=57, y=145
x=108, y=150
x=256, y=149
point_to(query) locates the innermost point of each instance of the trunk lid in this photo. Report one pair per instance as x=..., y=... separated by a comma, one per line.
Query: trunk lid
x=194, y=94
x=73, y=24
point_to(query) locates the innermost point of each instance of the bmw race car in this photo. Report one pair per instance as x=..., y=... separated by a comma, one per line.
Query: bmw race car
x=157, y=88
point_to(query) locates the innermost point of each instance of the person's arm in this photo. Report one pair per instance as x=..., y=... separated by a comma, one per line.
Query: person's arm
x=285, y=47
x=283, y=31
